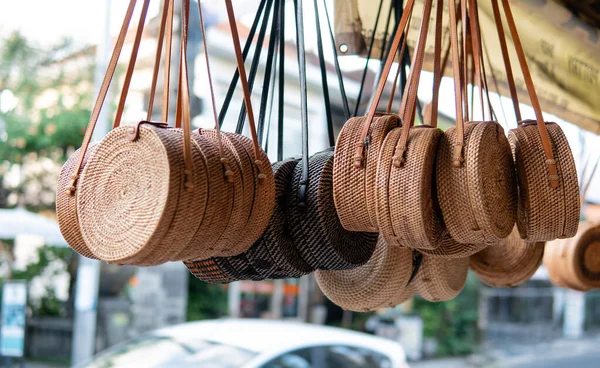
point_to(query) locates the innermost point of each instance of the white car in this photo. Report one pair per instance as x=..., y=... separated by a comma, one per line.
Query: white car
x=246, y=343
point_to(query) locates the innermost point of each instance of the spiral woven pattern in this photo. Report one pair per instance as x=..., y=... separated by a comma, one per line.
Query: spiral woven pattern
x=263, y=200
x=509, y=263
x=354, y=188
x=221, y=195
x=575, y=262
x=545, y=213
x=478, y=199
x=316, y=228
x=208, y=270
x=372, y=286
x=441, y=279
x=451, y=249
x=408, y=213
x=66, y=204
x=129, y=195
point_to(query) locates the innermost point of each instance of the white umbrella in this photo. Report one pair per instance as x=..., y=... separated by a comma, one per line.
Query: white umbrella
x=20, y=221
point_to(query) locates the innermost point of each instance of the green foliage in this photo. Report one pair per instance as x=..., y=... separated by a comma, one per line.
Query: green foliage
x=454, y=323
x=205, y=301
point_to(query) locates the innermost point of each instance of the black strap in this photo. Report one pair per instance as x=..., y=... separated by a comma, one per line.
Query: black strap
x=338, y=70
x=324, y=82
x=369, y=52
x=303, y=189
x=255, y=63
x=236, y=75
x=264, y=99
x=270, y=109
x=281, y=103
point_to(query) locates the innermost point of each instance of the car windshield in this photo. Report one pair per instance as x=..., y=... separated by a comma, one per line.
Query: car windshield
x=162, y=352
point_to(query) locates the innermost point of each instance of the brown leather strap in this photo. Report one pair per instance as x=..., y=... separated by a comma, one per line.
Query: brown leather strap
x=457, y=160
x=131, y=66
x=157, y=58
x=483, y=71
x=438, y=68
x=400, y=66
x=477, y=54
x=227, y=172
x=587, y=186
x=183, y=97
x=550, y=161
x=417, y=67
x=464, y=58
x=245, y=88
x=400, y=31
x=168, y=55
x=112, y=65
x=506, y=58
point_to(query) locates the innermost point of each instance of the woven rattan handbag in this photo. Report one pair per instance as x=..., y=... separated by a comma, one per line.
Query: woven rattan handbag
x=374, y=285
x=141, y=199
x=357, y=153
x=314, y=224
x=575, y=263
x=509, y=263
x=66, y=194
x=548, y=206
x=441, y=279
x=475, y=173
x=407, y=210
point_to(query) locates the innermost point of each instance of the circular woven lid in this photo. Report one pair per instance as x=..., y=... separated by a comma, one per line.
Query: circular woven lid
x=354, y=188
x=451, y=249
x=509, y=263
x=585, y=256
x=315, y=226
x=408, y=213
x=441, y=279
x=545, y=213
x=372, y=286
x=66, y=204
x=208, y=270
x=478, y=199
x=129, y=196
x=274, y=255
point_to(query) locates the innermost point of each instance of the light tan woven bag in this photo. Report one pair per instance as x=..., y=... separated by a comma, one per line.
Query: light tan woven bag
x=66, y=194
x=575, y=263
x=141, y=200
x=548, y=206
x=509, y=263
x=374, y=285
x=441, y=279
x=407, y=210
x=357, y=153
x=475, y=172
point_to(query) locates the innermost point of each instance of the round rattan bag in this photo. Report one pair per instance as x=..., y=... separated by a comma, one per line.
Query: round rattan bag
x=576, y=261
x=315, y=226
x=509, y=263
x=545, y=213
x=372, y=286
x=354, y=188
x=136, y=205
x=66, y=204
x=407, y=211
x=477, y=188
x=441, y=279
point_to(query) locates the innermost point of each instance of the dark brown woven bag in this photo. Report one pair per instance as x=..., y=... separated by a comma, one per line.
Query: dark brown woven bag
x=509, y=263
x=376, y=284
x=548, y=206
x=315, y=226
x=475, y=173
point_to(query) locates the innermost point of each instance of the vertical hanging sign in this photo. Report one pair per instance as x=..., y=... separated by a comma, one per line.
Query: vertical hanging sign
x=12, y=330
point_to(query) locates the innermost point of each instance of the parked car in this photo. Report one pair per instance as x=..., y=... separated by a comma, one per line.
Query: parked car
x=233, y=343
